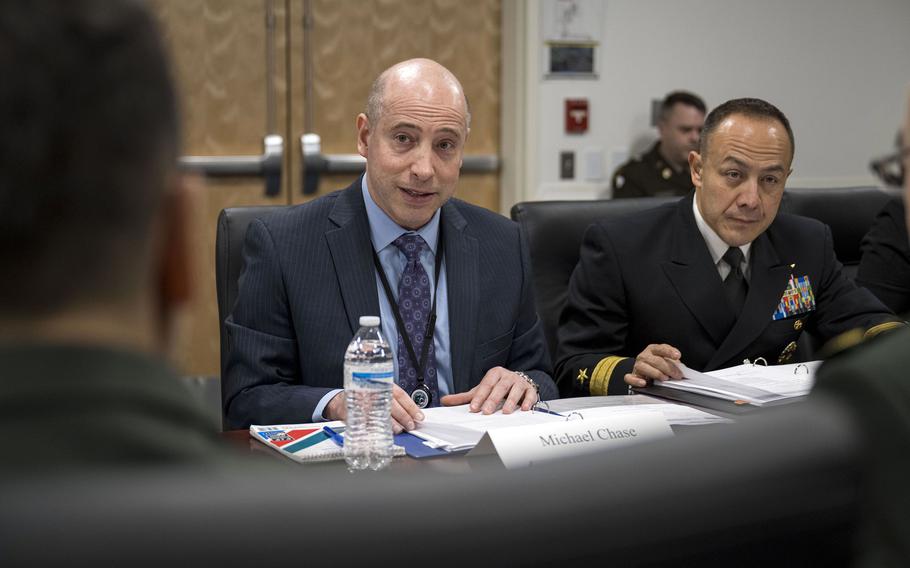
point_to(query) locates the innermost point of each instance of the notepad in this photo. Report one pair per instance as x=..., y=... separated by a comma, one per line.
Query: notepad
x=305, y=442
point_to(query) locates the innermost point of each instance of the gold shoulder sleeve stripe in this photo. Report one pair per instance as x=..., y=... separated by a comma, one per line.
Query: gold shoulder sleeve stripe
x=881, y=328
x=839, y=344
x=600, y=378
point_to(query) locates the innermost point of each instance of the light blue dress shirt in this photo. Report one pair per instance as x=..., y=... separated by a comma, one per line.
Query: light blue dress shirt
x=383, y=232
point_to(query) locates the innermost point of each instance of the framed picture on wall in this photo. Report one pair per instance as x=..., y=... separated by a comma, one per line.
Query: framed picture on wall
x=571, y=31
x=571, y=60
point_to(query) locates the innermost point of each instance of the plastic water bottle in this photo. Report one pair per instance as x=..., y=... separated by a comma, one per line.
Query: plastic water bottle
x=368, y=379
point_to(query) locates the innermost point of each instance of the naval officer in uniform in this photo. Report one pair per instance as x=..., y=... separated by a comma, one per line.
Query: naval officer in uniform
x=712, y=279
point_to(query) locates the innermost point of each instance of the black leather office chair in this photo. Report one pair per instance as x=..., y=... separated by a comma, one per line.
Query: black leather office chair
x=231, y=231
x=849, y=211
x=553, y=231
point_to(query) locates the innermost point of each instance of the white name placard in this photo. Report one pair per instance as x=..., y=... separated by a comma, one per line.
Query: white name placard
x=521, y=446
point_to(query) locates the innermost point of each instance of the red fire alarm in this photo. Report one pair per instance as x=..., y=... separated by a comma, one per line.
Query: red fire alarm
x=576, y=116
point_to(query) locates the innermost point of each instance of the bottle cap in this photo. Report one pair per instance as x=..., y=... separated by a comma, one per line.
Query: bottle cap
x=369, y=321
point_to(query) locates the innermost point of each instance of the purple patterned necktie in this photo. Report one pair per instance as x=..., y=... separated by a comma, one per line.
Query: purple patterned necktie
x=414, y=307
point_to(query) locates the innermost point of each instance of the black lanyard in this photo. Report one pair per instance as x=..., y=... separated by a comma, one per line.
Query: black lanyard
x=431, y=317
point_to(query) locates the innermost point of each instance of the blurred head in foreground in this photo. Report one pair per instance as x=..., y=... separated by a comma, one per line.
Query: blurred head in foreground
x=91, y=206
x=92, y=242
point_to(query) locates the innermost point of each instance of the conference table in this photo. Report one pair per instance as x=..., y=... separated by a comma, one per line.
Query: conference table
x=454, y=463
x=782, y=494
x=460, y=462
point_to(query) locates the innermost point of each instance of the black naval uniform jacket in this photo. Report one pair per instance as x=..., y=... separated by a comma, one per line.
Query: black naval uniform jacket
x=650, y=278
x=649, y=175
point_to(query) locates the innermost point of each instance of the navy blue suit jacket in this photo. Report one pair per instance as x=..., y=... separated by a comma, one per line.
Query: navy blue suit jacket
x=650, y=278
x=309, y=276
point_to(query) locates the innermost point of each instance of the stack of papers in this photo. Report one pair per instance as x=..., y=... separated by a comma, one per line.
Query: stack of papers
x=755, y=384
x=456, y=429
x=675, y=414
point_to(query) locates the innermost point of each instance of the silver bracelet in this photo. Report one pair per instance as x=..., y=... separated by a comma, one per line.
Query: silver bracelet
x=531, y=382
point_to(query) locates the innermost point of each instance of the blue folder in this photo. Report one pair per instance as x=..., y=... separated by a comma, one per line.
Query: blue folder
x=415, y=447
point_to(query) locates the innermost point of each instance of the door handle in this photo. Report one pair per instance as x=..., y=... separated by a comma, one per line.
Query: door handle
x=315, y=163
x=267, y=165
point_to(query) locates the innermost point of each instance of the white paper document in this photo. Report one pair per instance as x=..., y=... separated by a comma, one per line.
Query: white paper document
x=755, y=384
x=455, y=428
x=675, y=414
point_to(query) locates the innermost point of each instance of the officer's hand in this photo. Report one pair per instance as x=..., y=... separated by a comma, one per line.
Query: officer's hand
x=656, y=362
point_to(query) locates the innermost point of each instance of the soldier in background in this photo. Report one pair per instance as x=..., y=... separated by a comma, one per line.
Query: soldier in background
x=664, y=169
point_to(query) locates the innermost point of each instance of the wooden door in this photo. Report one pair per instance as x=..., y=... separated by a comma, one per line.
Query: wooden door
x=246, y=69
x=231, y=70
x=351, y=41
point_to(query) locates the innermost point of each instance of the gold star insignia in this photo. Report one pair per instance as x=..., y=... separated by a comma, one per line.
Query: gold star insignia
x=582, y=375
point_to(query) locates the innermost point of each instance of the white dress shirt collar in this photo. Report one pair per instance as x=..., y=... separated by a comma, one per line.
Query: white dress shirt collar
x=716, y=245
x=384, y=230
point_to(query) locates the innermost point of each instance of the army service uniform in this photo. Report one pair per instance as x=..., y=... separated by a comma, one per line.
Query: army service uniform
x=650, y=175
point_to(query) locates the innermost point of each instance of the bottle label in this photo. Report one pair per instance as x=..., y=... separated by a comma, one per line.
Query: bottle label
x=382, y=377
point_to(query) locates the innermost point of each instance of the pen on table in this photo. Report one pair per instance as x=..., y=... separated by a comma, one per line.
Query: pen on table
x=335, y=436
x=546, y=410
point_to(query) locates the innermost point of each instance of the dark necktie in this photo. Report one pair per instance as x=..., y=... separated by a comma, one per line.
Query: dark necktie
x=414, y=307
x=735, y=284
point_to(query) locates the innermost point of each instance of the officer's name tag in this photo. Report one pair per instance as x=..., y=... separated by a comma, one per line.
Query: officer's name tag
x=521, y=446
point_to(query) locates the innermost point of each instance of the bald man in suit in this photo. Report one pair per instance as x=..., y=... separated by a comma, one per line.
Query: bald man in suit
x=310, y=274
